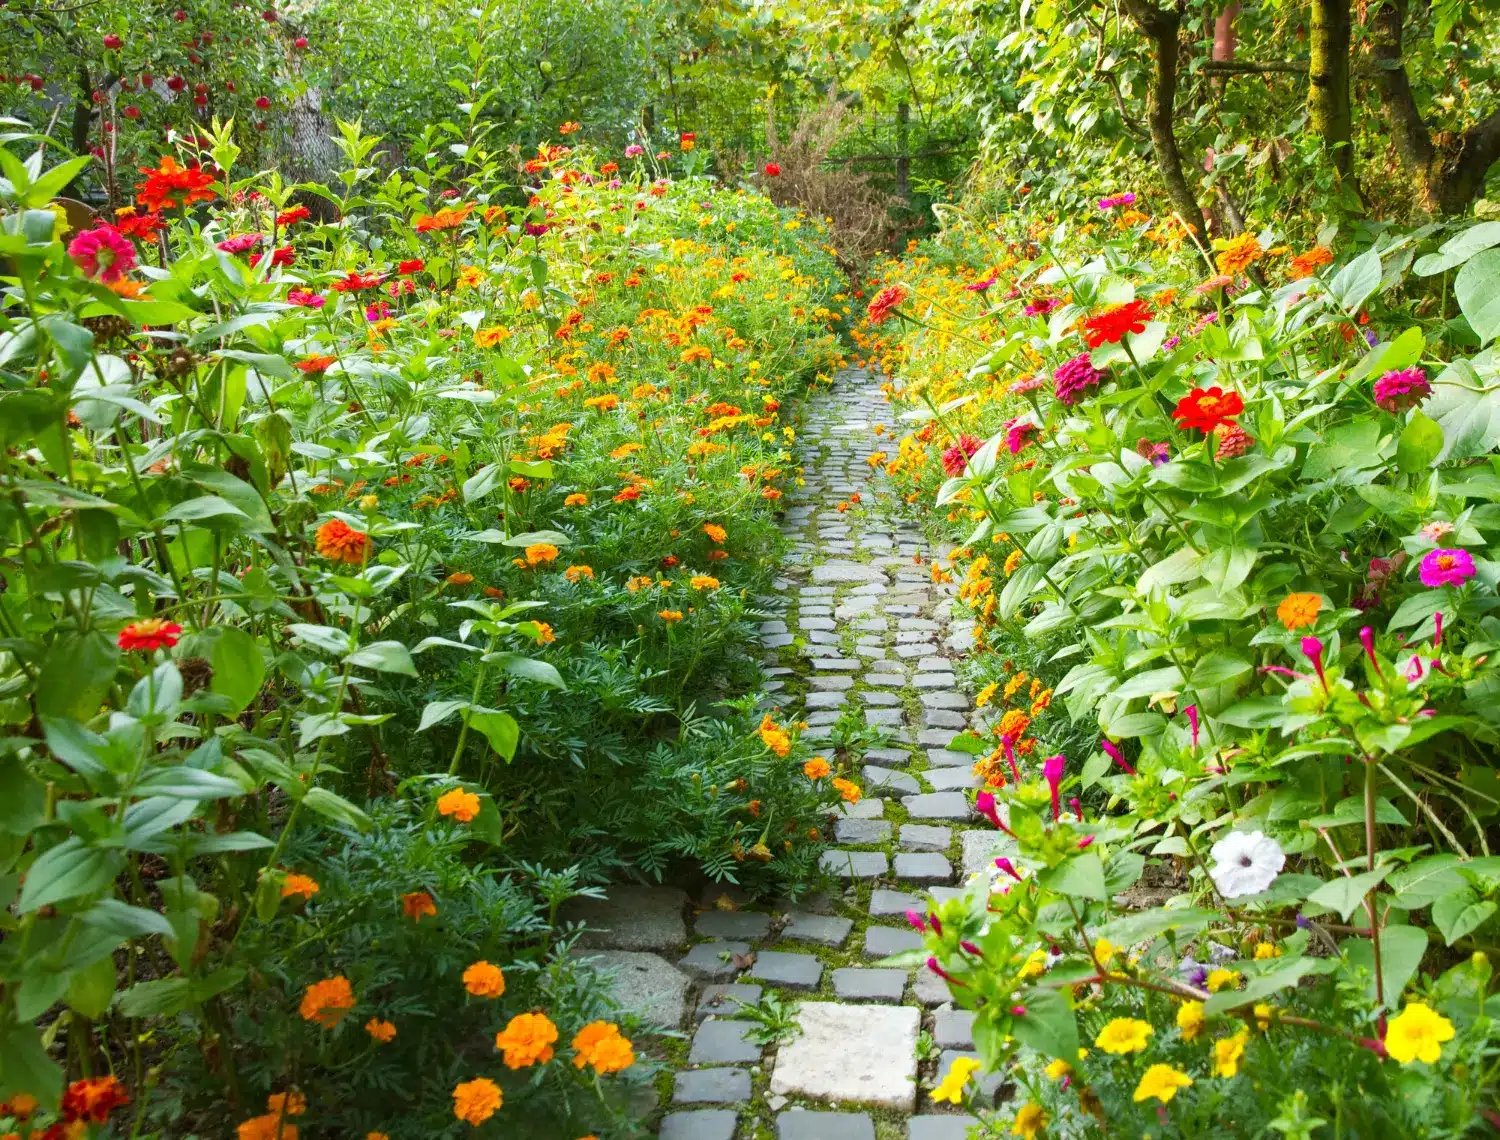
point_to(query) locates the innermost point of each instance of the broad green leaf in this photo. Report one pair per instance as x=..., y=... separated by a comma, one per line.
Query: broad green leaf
x=337, y=808
x=1421, y=442
x=1459, y=913
x=1401, y=951
x=384, y=656
x=1218, y=667
x=1423, y=882
x=239, y=667
x=499, y=728
x=519, y=665
x=1263, y=985
x=1345, y=893
x=1476, y=288
x=482, y=482
x=1255, y=712
x=1354, y=283
x=1049, y=1025
x=68, y=871
x=1082, y=876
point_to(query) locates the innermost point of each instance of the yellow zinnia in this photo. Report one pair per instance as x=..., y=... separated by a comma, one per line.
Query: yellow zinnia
x=1162, y=1083
x=1124, y=1035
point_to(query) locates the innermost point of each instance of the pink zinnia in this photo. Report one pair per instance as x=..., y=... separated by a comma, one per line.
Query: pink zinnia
x=1018, y=434
x=103, y=252
x=981, y=286
x=1447, y=567
x=1073, y=379
x=1027, y=384
x=634, y=150
x=956, y=458
x=241, y=243
x=306, y=300
x=1043, y=307
x=1403, y=389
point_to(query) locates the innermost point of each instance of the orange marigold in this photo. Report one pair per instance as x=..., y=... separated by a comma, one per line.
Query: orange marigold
x=476, y=1101
x=816, y=768
x=716, y=533
x=1298, y=610
x=527, y=1040
x=461, y=805
x=576, y=500
x=382, y=1031
x=418, y=905
x=484, y=979
x=669, y=616
x=539, y=553
x=327, y=1001
x=575, y=573
x=774, y=736
x=337, y=541
x=850, y=791
x=703, y=582
x=599, y=1044
x=1237, y=255
x=295, y=884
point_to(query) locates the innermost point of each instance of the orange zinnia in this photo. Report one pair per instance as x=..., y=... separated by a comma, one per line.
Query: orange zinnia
x=337, y=541
x=1299, y=610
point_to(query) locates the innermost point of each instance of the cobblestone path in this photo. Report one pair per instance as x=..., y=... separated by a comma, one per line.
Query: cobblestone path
x=862, y=631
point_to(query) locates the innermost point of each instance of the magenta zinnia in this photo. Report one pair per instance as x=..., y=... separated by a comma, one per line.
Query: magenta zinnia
x=103, y=253
x=1447, y=567
x=1073, y=379
x=956, y=458
x=1406, y=388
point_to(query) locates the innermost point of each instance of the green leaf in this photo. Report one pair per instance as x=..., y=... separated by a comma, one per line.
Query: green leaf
x=532, y=468
x=1401, y=951
x=1082, y=876
x=324, y=637
x=335, y=807
x=1144, y=925
x=239, y=667
x=204, y=507
x=1354, y=283
x=533, y=537
x=25, y=1066
x=1460, y=912
x=1346, y=892
x=1477, y=290
x=436, y=712
x=23, y=798
x=1421, y=443
x=125, y=921
x=181, y=782
x=1417, y=609
x=1152, y=681
x=1049, y=1026
x=1457, y=250
x=519, y=665
x=1423, y=882
x=385, y=656
x=92, y=988
x=499, y=728
x=68, y=871
x=75, y=676
x=1268, y=983
x=1218, y=667
x=482, y=482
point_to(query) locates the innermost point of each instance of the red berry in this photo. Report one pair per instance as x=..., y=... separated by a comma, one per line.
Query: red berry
x=132, y=112
x=109, y=128
x=262, y=102
x=179, y=15
x=113, y=42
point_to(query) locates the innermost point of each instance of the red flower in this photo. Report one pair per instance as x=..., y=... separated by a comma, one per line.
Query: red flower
x=1207, y=408
x=286, y=255
x=773, y=170
x=171, y=185
x=315, y=365
x=415, y=265
x=295, y=214
x=1110, y=325
x=356, y=282
x=136, y=225
x=93, y=1099
x=956, y=458
x=149, y=634
x=885, y=301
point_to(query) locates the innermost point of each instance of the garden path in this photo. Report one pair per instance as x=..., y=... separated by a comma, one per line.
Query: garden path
x=863, y=633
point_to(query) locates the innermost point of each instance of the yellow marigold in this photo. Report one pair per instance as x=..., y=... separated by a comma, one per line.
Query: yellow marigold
x=484, y=979
x=1417, y=1033
x=544, y=634
x=986, y=694
x=539, y=553
x=1030, y=1120
x=1227, y=1054
x=1014, y=724
x=470, y=276
x=599, y=1044
x=877, y=459
x=715, y=532
x=489, y=338
x=816, y=768
x=1161, y=1082
x=575, y=573
x=382, y=1031
x=460, y=804
x=951, y=1087
x=327, y=1001
x=576, y=500
x=476, y=1101
x=1058, y=1069
x=1190, y=1019
x=1124, y=1035
x=527, y=1040
x=1298, y=610
x=669, y=616
x=295, y=884
x=703, y=582
x=1264, y=950
x=1220, y=979
x=773, y=736
x=1012, y=562
x=850, y=791
x=1238, y=254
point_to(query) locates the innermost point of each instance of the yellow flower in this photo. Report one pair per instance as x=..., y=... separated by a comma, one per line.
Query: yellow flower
x=470, y=276
x=1124, y=1035
x=1264, y=950
x=1161, y=1082
x=576, y=500
x=703, y=582
x=575, y=573
x=1030, y=1119
x=476, y=1101
x=1237, y=254
x=670, y=616
x=1263, y=1014
x=1227, y=1053
x=1058, y=1069
x=1220, y=978
x=1012, y=561
x=1190, y=1019
x=1104, y=951
x=540, y=552
x=1034, y=966
x=986, y=694
x=1417, y=1033
x=1298, y=610
x=951, y=1088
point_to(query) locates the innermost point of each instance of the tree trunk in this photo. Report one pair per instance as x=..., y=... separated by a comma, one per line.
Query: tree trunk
x=1448, y=173
x=1160, y=27
x=903, y=146
x=1328, y=81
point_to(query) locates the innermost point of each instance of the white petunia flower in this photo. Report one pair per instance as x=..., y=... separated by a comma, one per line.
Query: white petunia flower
x=1245, y=863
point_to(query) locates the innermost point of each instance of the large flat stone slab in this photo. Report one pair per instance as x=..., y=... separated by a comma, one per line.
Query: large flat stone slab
x=853, y=1054
x=885, y=903
x=883, y=941
x=631, y=918
x=862, y=831
x=925, y=837
x=953, y=1028
x=938, y=805
x=646, y=985
x=888, y=779
x=951, y=779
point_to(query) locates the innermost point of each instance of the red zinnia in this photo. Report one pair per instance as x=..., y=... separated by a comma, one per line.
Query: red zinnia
x=148, y=635
x=956, y=458
x=415, y=265
x=295, y=214
x=773, y=170
x=136, y=225
x=1110, y=325
x=171, y=185
x=1207, y=408
x=885, y=301
x=357, y=282
x=316, y=365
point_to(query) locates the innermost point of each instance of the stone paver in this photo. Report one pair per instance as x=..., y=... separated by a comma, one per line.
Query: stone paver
x=824, y=929
x=854, y=984
x=935, y=1127
x=723, y=1043
x=789, y=971
x=713, y=961
x=731, y=925
x=722, y=999
x=883, y=941
x=801, y=1125
x=854, y=864
x=711, y=1086
x=862, y=831
x=938, y=805
x=981, y=847
x=884, y=903
x=953, y=1028
x=922, y=867
x=706, y=1124
x=631, y=918
x=890, y=780
x=925, y=837
x=855, y=1054
x=645, y=984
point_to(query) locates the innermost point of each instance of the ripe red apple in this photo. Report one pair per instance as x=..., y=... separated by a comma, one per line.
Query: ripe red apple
x=132, y=112
x=113, y=42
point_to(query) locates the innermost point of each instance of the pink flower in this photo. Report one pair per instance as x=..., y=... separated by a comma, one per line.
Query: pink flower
x=1367, y=639
x=1074, y=378
x=916, y=921
x=306, y=300
x=1435, y=531
x=1313, y=648
x=1191, y=712
x=103, y=252
x=1008, y=867
x=1398, y=391
x=981, y=286
x=240, y=243
x=1018, y=434
x=1444, y=567
x=984, y=804
x=1116, y=755
x=1043, y=307
x=1027, y=384
x=1052, y=772
x=634, y=150
x=956, y=458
